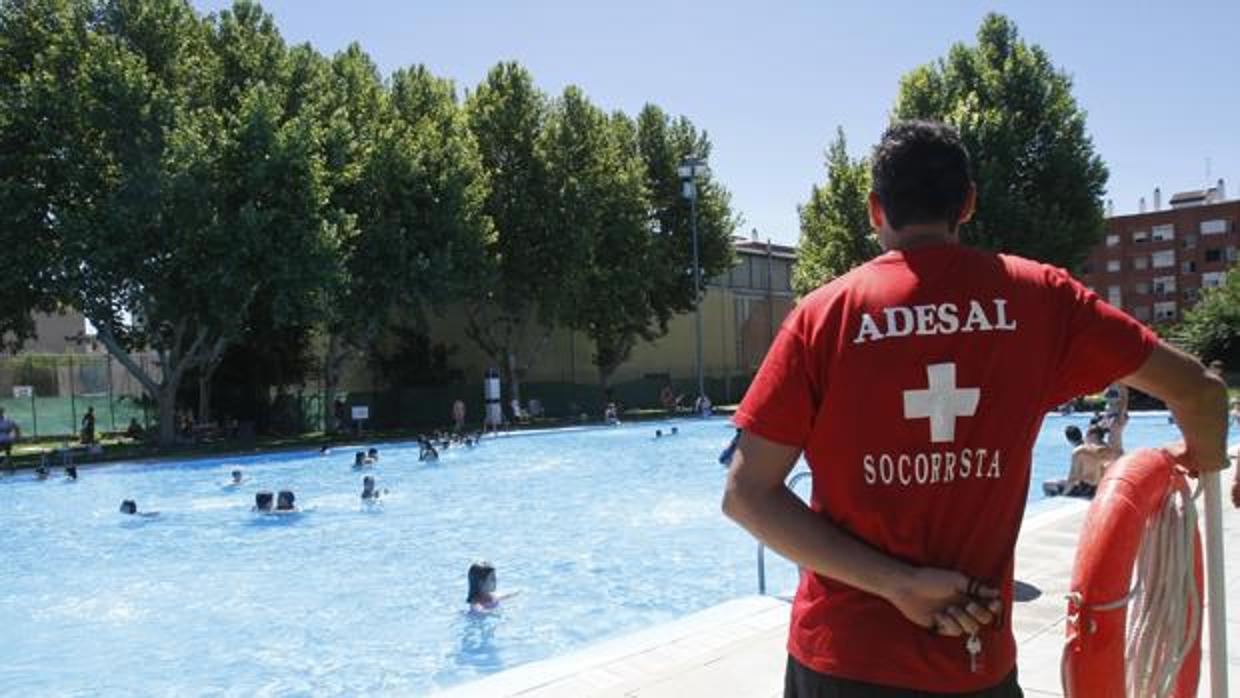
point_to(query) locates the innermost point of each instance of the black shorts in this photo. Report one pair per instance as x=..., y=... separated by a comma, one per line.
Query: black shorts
x=802, y=682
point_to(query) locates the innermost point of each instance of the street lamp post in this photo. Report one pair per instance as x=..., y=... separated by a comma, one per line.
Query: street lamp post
x=691, y=168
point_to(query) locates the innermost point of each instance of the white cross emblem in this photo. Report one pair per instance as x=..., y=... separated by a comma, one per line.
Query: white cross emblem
x=942, y=402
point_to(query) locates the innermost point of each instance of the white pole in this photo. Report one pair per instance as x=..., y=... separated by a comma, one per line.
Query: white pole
x=1214, y=579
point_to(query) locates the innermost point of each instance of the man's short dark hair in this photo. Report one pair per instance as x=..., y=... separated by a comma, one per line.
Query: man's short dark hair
x=920, y=172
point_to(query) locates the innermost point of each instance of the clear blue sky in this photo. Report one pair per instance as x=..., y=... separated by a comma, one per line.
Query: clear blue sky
x=771, y=81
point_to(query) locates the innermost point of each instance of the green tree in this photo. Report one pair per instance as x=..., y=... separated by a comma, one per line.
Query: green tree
x=415, y=206
x=1211, y=328
x=40, y=65
x=597, y=175
x=524, y=282
x=172, y=195
x=663, y=143
x=835, y=222
x=1040, y=183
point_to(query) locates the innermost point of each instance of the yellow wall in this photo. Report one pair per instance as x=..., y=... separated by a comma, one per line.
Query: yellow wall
x=736, y=331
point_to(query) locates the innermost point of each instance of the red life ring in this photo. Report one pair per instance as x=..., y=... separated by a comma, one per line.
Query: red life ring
x=1133, y=490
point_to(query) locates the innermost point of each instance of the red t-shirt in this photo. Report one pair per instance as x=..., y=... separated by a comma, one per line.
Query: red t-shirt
x=916, y=385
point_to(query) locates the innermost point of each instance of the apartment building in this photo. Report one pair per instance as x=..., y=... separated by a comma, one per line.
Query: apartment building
x=1155, y=263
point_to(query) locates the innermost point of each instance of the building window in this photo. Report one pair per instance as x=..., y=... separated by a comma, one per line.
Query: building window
x=1164, y=285
x=1140, y=263
x=1161, y=233
x=1112, y=240
x=1142, y=288
x=1164, y=311
x=1141, y=236
x=1191, y=295
x=1114, y=296
x=1214, y=254
x=1214, y=227
x=1163, y=259
x=1188, y=267
x=1190, y=241
x=1212, y=279
x=1112, y=265
x=1231, y=253
x=1142, y=313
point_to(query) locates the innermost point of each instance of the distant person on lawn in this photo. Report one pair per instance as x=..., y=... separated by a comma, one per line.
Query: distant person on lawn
x=88, y=426
x=915, y=386
x=9, y=434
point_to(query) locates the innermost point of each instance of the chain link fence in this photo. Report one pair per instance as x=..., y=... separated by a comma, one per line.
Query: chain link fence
x=48, y=394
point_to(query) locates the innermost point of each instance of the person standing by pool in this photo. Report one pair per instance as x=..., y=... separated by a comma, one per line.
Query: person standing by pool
x=915, y=385
x=458, y=416
x=88, y=426
x=9, y=434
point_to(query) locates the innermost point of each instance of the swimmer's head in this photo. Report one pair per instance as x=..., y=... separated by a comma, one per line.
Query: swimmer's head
x=129, y=507
x=71, y=472
x=284, y=501
x=373, y=453
x=368, y=484
x=658, y=433
x=262, y=501
x=481, y=580
x=236, y=476
x=675, y=430
x=1073, y=434
x=359, y=457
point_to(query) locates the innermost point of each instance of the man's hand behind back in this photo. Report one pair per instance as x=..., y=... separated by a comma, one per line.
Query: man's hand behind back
x=946, y=602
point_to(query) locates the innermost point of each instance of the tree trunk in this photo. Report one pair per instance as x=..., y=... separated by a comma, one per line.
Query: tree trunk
x=337, y=352
x=204, y=395
x=166, y=400
x=512, y=377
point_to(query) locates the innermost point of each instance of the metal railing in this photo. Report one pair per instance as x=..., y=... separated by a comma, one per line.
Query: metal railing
x=791, y=485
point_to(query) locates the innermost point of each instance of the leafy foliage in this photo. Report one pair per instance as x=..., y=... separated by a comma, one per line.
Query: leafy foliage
x=835, y=222
x=1211, y=328
x=1039, y=180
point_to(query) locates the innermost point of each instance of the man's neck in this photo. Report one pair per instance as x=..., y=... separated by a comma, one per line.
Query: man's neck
x=911, y=237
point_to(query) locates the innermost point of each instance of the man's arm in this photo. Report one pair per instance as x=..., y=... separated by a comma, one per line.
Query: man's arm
x=1197, y=399
x=758, y=500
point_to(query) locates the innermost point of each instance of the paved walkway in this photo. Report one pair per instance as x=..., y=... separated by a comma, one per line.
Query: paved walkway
x=737, y=648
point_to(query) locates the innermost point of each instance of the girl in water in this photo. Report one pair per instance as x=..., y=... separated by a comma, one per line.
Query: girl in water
x=482, y=596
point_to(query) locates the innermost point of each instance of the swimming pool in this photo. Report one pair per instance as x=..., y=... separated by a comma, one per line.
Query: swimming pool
x=605, y=531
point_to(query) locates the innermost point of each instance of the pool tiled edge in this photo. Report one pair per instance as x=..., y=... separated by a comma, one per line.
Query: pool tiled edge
x=641, y=658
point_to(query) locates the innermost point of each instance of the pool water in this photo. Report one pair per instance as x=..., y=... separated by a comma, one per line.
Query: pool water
x=603, y=531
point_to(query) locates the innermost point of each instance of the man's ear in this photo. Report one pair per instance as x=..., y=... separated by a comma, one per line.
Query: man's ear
x=970, y=205
x=876, y=211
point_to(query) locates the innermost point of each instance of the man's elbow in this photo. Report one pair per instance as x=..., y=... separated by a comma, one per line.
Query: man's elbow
x=735, y=504
x=1208, y=395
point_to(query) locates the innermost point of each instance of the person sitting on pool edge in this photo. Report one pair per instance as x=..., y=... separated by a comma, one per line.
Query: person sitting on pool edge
x=1089, y=461
x=482, y=596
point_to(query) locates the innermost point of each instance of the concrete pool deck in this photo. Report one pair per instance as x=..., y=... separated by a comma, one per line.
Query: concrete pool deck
x=737, y=648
